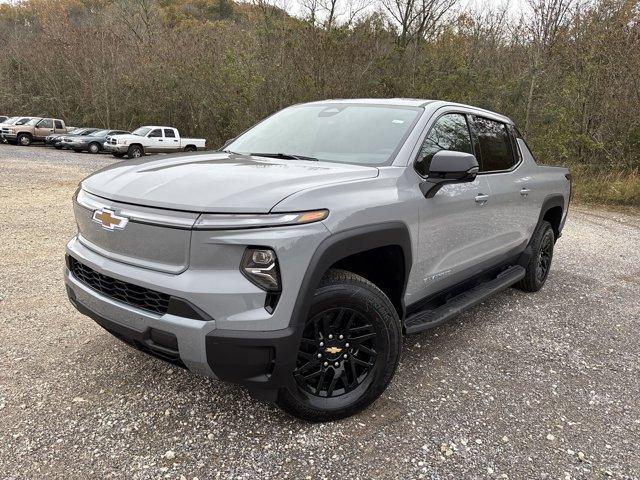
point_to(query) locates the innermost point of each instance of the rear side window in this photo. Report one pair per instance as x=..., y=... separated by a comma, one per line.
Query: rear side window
x=155, y=133
x=449, y=132
x=169, y=133
x=59, y=124
x=495, y=146
x=46, y=123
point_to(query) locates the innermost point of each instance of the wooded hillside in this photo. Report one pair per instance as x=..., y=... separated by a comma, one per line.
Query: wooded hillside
x=567, y=73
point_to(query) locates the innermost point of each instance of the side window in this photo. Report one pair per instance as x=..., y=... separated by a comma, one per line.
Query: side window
x=59, y=125
x=169, y=133
x=450, y=132
x=495, y=145
x=46, y=123
x=155, y=133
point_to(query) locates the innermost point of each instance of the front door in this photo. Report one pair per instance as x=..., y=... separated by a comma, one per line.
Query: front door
x=454, y=224
x=155, y=141
x=43, y=128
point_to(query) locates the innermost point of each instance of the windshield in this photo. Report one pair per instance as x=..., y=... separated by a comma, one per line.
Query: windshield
x=142, y=131
x=10, y=120
x=99, y=133
x=344, y=133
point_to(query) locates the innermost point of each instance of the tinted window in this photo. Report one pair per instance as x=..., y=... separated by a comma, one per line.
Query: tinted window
x=59, y=124
x=495, y=146
x=450, y=132
x=156, y=133
x=46, y=123
x=168, y=132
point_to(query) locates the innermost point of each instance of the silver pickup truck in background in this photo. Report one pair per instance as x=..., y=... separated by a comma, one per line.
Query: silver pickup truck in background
x=293, y=261
x=151, y=139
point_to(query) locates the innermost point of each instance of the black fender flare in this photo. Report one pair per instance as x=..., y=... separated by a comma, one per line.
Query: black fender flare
x=549, y=202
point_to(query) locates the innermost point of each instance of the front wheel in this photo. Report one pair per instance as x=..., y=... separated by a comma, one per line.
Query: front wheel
x=94, y=148
x=539, y=265
x=24, y=139
x=348, y=353
x=134, y=151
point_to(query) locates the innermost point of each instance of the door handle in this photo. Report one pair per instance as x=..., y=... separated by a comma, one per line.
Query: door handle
x=159, y=139
x=524, y=192
x=481, y=198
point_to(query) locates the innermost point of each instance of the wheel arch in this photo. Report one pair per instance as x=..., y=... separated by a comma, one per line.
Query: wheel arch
x=352, y=250
x=552, y=211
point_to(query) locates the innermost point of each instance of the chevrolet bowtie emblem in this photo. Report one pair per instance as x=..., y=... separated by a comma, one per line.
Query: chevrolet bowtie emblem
x=333, y=350
x=109, y=220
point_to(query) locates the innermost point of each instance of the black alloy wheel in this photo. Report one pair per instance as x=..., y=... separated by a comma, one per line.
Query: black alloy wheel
x=337, y=352
x=348, y=352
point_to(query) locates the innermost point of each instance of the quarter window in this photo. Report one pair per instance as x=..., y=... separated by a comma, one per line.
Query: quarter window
x=495, y=147
x=59, y=125
x=450, y=132
x=155, y=133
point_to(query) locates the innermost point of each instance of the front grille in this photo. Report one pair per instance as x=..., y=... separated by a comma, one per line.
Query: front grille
x=125, y=292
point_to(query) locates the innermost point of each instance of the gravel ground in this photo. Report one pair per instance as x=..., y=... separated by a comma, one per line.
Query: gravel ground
x=525, y=386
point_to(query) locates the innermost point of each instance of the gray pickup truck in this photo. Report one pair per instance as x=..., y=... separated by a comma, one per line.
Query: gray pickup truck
x=294, y=260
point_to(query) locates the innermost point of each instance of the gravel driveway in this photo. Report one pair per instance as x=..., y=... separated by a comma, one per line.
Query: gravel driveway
x=527, y=386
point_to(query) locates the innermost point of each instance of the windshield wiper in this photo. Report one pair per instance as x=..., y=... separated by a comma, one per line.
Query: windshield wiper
x=284, y=156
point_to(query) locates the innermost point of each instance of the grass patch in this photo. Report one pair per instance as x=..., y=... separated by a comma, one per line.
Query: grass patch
x=611, y=188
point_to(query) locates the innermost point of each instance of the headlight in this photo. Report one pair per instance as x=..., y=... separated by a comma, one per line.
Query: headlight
x=219, y=221
x=260, y=266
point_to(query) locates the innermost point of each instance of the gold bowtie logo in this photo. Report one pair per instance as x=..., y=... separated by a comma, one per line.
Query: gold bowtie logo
x=333, y=350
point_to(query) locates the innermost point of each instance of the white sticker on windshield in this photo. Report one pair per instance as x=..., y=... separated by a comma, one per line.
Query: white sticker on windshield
x=397, y=121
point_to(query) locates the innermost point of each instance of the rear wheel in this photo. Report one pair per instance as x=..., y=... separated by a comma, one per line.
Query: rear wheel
x=539, y=265
x=94, y=147
x=189, y=148
x=135, y=151
x=349, y=350
x=24, y=139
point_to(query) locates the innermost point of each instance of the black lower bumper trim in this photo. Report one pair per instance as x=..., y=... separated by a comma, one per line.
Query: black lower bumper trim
x=158, y=343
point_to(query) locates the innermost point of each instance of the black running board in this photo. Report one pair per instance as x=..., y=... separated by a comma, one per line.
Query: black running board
x=426, y=319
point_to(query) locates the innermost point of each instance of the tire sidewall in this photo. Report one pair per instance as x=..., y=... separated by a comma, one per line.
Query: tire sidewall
x=546, y=231
x=94, y=148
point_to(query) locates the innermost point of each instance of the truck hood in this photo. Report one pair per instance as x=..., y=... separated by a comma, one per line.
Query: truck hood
x=216, y=182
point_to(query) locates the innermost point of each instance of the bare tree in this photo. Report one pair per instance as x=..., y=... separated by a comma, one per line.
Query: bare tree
x=417, y=18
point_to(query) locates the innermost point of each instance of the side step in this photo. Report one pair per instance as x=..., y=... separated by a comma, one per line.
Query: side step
x=427, y=319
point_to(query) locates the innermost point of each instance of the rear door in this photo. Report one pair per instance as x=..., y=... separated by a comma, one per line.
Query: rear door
x=455, y=224
x=499, y=161
x=155, y=141
x=172, y=141
x=43, y=128
x=59, y=128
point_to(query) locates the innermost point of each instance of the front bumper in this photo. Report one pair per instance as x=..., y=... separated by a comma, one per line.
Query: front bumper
x=109, y=147
x=239, y=340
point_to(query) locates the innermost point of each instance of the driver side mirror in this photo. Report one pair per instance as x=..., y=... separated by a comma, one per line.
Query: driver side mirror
x=446, y=167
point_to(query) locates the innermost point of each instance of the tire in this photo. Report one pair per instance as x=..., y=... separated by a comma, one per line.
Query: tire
x=24, y=139
x=94, y=148
x=189, y=148
x=348, y=305
x=135, y=151
x=537, y=270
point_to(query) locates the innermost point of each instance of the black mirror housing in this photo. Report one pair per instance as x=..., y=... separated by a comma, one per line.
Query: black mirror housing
x=449, y=167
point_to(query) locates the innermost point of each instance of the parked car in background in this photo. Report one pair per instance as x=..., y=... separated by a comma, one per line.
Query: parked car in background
x=13, y=121
x=3, y=118
x=51, y=140
x=62, y=141
x=35, y=130
x=92, y=142
x=151, y=139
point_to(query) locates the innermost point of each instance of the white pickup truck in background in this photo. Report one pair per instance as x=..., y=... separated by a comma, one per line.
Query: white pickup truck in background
x=151, y=139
